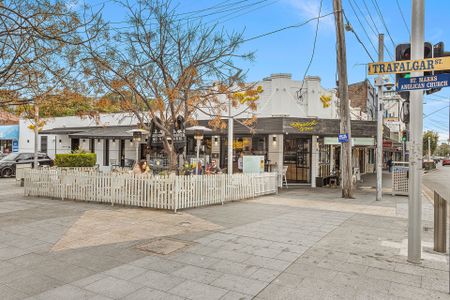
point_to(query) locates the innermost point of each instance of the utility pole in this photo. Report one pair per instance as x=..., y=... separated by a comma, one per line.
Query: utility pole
x=416, y=127
x=345, y=125
x=379, y=155
x=36, y=134
x=429, y=148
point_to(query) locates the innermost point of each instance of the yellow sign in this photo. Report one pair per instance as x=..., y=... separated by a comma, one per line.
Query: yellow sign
x=409, y=66
x=304, y=126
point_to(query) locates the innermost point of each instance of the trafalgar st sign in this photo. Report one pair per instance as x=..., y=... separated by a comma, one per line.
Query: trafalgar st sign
x=410, y=66
x=423, y=82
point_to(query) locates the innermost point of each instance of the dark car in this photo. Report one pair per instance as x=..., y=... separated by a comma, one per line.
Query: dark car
x=446, y=162
x=9, y=162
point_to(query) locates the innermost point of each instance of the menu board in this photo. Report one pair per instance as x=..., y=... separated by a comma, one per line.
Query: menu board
x=253, y=164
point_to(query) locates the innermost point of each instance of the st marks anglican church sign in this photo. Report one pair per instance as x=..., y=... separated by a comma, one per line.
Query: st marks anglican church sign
x=410, y=66
x=423, y=82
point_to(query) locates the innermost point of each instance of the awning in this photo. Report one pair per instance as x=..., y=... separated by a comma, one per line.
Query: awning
x=112, y=132
x=63, y=130
x=356, y=141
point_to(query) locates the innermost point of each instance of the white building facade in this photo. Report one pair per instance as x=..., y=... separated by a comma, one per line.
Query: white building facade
x=296, y=130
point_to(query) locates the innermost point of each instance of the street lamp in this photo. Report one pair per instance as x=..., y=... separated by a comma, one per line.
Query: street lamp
x=198, y=136
x=138, y=135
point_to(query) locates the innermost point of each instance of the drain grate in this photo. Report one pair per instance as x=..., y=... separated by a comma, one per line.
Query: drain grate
x=163, y=246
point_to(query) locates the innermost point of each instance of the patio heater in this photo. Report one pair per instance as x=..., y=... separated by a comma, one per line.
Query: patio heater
x=138, y=135
x=198, y=136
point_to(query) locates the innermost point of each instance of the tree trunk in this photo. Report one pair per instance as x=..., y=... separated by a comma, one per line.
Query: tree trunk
x=171, y=155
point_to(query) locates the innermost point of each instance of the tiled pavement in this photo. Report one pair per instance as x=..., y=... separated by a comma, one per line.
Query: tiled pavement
x=301, y=244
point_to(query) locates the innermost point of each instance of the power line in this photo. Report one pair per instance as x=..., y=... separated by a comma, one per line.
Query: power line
x=403, y=18
x=362, y=26
x=242, y=14
x=375, y=31
x=287, y=27
x=315, y=40
x=299, y=92
x=370, y=16
x=436, y=111
x=357, y=37
x=380, y=14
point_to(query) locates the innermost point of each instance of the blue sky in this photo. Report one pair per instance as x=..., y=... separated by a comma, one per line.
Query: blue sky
x=289, y=51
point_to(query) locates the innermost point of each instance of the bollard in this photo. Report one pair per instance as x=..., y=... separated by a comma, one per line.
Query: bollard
x=440, y=223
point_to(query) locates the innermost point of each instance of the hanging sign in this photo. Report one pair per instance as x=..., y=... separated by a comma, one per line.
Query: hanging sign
x=409, y=66
x=423, y=82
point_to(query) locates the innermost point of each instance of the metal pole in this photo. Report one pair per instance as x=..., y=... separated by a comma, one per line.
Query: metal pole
x=416, y=128
x=198, y=156
x=230, y=141
x=137, y=151
x=429, y=148
x=36, y=135
x=379, y=155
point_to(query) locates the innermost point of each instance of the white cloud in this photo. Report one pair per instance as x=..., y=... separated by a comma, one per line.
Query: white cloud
x=310, y=9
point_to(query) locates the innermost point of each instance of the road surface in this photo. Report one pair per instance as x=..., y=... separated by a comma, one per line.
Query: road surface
x=439, y=180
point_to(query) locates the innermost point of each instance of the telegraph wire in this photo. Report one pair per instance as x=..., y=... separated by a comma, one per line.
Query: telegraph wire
x=375, y=31
x=223, y=4
x=436, y=111
x=380, y=14
x=299, y=92
x=403, y=18
x=241, y=14
x=357, y=37
x=362, y=26
x=287, y=27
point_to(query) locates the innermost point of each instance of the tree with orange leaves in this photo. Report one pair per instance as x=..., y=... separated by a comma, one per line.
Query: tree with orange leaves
x=171, y=68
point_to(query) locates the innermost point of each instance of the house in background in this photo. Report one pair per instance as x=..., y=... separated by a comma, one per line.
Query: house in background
x=9, y=132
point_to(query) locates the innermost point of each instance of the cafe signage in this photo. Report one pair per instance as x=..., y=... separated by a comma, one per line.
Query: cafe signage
x=304, y=126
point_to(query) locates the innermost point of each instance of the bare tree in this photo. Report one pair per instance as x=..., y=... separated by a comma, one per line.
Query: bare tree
x=171, y=68
x=32, y=31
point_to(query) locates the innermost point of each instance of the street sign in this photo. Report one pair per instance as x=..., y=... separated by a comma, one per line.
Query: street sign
x=343, y=138
x=15, y=146
x=409, y=66
x=423, y=82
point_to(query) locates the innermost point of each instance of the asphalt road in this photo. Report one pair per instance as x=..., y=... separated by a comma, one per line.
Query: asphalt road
x=439, y=180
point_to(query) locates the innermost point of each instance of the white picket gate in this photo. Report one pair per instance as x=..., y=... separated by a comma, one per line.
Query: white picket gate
x=168, y=192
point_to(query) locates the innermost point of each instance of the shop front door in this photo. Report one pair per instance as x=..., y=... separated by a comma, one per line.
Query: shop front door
x=297, y=157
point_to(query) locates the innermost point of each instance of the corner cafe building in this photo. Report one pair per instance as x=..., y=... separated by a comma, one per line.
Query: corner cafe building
x=297, y=132
x=307, y=147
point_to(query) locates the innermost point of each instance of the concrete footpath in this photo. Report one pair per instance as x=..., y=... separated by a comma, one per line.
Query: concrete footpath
x=301, y=244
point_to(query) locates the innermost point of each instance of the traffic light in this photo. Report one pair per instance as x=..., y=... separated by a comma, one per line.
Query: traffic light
x=404, y=136
x=403, y=52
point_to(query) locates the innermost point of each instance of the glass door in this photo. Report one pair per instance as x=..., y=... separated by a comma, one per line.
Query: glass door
x=297, y=157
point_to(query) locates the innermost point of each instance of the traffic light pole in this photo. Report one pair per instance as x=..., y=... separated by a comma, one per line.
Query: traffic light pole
x=379, y=155
x=416, y=129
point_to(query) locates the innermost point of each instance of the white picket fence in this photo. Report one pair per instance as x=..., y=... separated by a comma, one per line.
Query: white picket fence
x=170, y=192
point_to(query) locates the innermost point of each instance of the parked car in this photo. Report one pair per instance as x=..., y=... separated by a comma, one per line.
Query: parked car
x=446, y=162
x=9, y=162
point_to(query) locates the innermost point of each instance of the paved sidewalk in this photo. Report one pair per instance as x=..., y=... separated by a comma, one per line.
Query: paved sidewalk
x=300, y=244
